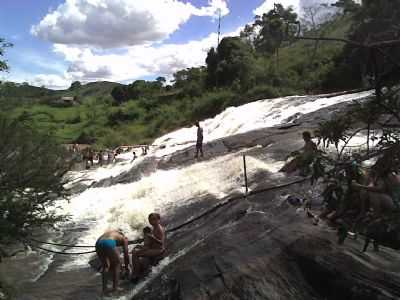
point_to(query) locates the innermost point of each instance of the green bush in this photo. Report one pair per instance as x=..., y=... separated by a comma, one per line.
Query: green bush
x=262, y=92
x=111, y=139
x=86, y=137
x=74, y=120
x=210, y=104
x=32, y=178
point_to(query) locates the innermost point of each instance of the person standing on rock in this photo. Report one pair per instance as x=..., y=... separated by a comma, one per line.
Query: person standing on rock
x=143, y=257
x=100, y=155
x=199, y=142
x=134, y=156
x=107, y=251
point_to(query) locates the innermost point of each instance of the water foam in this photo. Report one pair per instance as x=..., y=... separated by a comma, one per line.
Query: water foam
x=251, y=116
x=126, y=206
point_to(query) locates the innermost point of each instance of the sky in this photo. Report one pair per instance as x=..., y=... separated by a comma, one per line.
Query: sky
x=57, y=42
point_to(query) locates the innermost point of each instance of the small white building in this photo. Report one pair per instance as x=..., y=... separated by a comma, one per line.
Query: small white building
x=70, y=100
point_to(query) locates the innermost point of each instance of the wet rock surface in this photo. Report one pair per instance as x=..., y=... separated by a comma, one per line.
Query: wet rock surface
x=260, y=248
x=145, y=168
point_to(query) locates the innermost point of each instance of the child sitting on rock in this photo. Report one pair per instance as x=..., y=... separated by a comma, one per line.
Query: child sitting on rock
x=147, y=241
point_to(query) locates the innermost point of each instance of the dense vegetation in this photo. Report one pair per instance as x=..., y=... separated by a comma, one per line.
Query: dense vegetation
x=32, y=169
x=372, y=49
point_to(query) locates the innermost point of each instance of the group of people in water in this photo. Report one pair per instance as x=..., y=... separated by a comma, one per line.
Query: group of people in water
x=142, y=256
x=364, y=201
x=88, y=155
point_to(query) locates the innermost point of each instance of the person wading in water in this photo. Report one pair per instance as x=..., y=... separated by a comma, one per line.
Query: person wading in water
x=107, y=251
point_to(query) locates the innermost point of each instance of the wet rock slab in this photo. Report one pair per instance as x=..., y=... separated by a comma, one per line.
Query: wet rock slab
x=260, y=248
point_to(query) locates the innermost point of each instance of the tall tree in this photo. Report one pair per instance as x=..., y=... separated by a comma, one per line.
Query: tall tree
x=248, y=34
x=3, y=45
x=234, y=61
x=347, y=6
x=161, y=80
x=75, y=85
x=189, y=76
x=120, y=94
x=32, y=169
x=376, y=21
x=275, y=26
x=212, y=66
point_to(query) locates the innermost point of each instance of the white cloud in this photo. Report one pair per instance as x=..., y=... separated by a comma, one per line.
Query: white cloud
x=215, y=7
x=296, y=4
x=135, y=62
x=51, y=81
x=269, y=5
x=119, y=23
x=308, y=3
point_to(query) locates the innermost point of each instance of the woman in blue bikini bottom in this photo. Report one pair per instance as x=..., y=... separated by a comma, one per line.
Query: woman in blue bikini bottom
x=107, y=251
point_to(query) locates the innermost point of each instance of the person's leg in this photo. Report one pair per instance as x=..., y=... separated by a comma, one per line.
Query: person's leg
x=145, y=263
x=291, y=166
x=115, y=264
x=135, y=265
x=367, y=241
x=104, y=267
x=141, y=260
x=151, y=252
x=326, y=211
x=376, y=245
x=201, y=150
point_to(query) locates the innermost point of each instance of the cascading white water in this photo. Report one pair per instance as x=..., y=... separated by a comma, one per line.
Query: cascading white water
x=251, y=116
x=127, y=205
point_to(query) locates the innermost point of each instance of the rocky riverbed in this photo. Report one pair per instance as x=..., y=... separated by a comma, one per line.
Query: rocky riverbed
x=254, y=247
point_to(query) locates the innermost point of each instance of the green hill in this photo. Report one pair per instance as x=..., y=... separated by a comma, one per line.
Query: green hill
x=92, y=89
x=32, y=94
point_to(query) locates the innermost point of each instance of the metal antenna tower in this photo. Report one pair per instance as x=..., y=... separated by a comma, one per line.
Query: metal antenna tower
x=219, y=24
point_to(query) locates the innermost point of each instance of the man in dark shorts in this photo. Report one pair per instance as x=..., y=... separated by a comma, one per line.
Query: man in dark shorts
x=199, y=142
x=107, y=251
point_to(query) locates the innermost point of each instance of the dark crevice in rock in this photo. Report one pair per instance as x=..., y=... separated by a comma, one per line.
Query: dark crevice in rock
x=220, y=274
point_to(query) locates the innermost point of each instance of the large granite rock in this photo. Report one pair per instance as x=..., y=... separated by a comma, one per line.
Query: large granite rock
x=262, y=248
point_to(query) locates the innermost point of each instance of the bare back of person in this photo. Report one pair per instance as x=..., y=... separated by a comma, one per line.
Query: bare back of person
x=114, y=235
x=157, y=244
x=143, y=258
x=154, y=243
x=109, y=255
